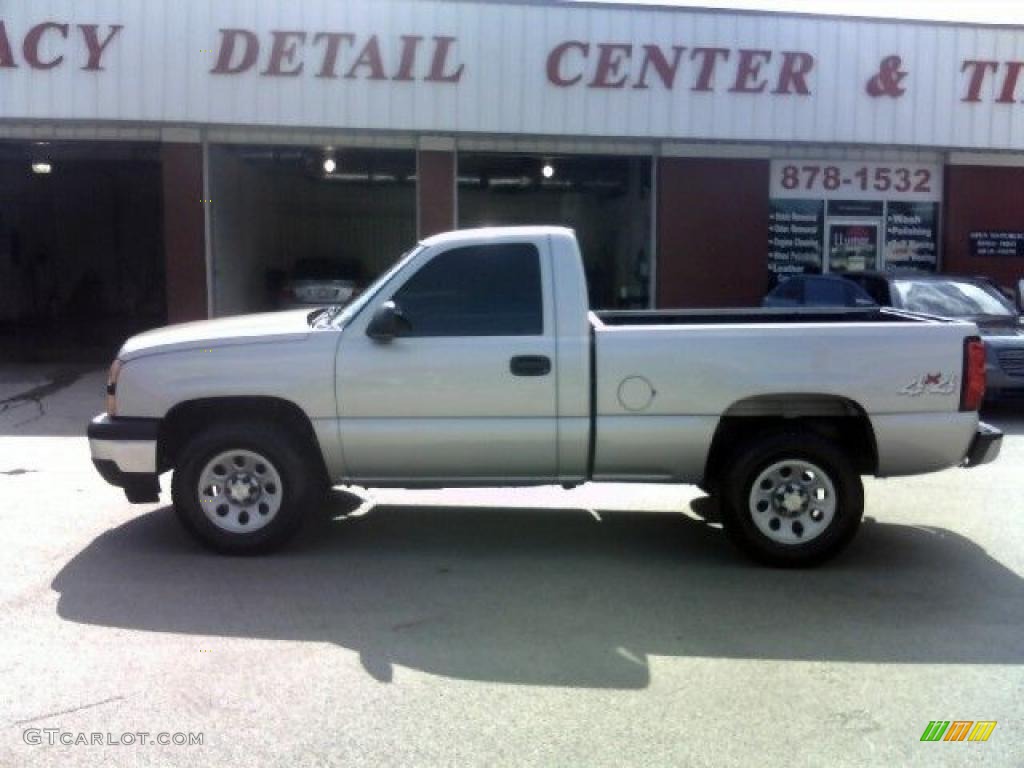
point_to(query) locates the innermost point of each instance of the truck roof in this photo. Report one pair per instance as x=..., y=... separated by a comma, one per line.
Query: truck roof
x=484, y=234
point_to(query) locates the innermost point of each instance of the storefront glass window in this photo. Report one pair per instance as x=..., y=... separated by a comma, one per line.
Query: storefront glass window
x=832, y=216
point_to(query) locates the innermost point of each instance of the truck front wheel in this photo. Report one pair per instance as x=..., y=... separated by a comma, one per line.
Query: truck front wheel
x=791, y=499
x=243, y=488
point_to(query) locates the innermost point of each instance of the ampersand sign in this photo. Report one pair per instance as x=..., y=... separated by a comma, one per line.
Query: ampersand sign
x=887, y=81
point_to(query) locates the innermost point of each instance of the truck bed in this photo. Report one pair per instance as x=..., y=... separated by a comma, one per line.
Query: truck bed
x=663, y=380
x=758, y=315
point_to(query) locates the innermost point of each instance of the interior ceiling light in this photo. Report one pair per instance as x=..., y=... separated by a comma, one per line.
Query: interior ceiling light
x=42, y=168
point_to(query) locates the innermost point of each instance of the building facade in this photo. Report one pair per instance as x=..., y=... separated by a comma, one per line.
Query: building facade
x=174, y=159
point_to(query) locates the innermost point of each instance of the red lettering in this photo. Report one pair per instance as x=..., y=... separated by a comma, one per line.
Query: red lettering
x=748, y=70
x=1009, y=91
x=796, y=65
x=95, y=46
x=555, y=62
x=609, y=60
x=328, y=68
x=31, y=47
x=228, y=38
x=410, y=44
x=369, y=57
x=439, y=64
x=653, y=55
x=6, y=55
x=978, y=71
x=708, y=57
x=283, y=51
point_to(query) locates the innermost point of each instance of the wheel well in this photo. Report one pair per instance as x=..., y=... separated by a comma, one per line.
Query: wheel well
x=186, y=419
x=837, y=419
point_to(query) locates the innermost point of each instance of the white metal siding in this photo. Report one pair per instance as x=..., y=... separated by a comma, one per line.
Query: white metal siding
x=158, y=70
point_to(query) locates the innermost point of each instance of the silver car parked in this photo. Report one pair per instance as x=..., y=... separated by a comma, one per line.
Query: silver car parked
x=319, y=282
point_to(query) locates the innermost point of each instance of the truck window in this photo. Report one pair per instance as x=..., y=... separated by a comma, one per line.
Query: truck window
x=480, y=290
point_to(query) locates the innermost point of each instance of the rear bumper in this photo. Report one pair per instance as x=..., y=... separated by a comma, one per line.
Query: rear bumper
x=985, y=446
x=124, y=453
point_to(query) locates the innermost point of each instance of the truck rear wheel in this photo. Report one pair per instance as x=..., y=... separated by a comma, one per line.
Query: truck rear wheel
x=243, y=488
x=791, y=499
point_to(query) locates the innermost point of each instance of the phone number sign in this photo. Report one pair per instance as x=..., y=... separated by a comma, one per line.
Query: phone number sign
x=853, y=180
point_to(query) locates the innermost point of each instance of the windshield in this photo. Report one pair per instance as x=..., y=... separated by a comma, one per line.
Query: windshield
x=951, y=298
x=339, y=316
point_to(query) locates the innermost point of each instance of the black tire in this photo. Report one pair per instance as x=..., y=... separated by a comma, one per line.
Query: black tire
x=300, y=485
x=738, y=511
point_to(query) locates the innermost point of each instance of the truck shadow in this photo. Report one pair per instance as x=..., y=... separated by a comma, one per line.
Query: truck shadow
x=554, y=596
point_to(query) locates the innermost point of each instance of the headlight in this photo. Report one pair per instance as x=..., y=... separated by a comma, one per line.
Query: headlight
x=115, y=371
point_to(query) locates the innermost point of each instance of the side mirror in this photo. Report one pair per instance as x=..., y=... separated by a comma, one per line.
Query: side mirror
x=387, y=323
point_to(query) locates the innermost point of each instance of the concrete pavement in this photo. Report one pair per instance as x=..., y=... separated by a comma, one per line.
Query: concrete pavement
x=609, y=625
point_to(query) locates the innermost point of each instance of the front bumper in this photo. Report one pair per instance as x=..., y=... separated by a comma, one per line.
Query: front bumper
x=985, y=446
x=124, y=453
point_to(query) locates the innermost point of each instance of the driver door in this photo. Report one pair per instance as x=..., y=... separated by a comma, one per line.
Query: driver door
x=466, y=393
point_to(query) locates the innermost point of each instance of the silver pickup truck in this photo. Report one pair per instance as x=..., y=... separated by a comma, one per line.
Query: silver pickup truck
x=475, y=361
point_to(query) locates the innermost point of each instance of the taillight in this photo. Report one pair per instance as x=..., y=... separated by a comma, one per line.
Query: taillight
x=973, y=392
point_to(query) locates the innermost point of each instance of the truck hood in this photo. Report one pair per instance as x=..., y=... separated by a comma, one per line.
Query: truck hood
x=228, y=331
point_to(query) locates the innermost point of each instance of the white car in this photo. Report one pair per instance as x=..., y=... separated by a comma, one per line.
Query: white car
x=475, y=362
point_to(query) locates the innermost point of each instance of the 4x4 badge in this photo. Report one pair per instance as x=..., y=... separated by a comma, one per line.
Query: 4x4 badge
x=931, y=384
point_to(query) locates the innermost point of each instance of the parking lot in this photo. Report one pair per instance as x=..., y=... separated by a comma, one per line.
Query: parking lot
x=606, y=625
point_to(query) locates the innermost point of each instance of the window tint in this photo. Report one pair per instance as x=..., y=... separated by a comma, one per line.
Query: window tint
x=486, y=290
x=825, y=293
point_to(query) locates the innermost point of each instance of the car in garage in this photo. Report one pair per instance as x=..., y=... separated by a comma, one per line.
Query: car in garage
x=817, y=291
x=318, y=282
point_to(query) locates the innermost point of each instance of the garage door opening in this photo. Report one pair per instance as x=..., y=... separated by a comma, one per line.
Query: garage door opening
x=607, y=200
x=81, y=249
x=297, y=226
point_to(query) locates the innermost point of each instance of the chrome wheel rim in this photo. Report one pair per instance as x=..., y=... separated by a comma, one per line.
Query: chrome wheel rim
x=793, y=502
x=240, y=491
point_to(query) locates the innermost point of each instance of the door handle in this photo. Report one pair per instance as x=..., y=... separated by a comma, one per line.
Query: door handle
x=530, y=365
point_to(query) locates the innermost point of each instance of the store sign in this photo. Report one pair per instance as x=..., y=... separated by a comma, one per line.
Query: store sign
x=836, y=216
x=701, y=69
x=526, y=68
x=52, y=44
x=997, y=243
x=338, y=54
x=853, y=180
